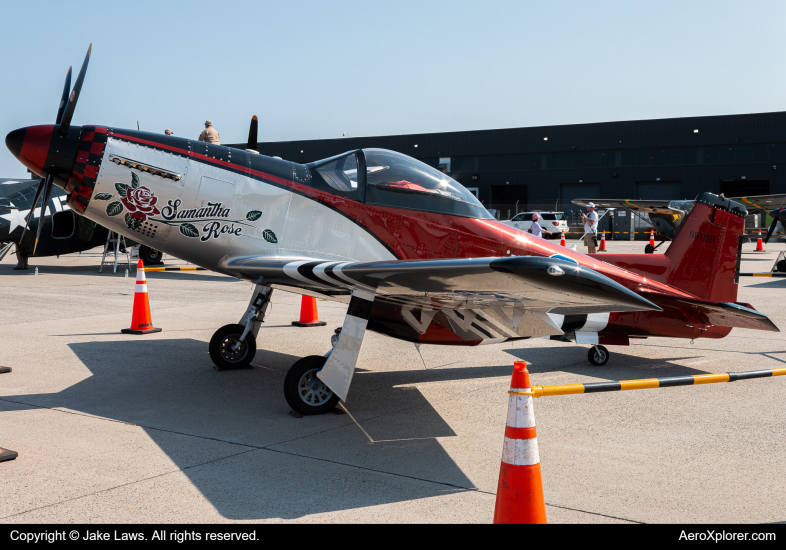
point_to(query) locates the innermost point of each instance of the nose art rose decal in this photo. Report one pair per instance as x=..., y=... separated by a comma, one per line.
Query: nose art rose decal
x=141, y=205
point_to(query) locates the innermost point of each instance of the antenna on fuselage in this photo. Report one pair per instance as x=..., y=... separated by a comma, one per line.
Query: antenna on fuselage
x=251, y=146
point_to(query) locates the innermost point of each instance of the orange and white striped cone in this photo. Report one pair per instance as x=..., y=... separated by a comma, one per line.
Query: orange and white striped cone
x=520, y=490
x=562, y=238
x=602, y=242
x=308, y=313
x=652, y=238
x=759, y=244
x=141, y=323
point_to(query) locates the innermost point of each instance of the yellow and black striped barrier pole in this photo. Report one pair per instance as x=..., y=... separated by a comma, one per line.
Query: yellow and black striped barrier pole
x=187, y=268
x=773, y=274
x=650, y=383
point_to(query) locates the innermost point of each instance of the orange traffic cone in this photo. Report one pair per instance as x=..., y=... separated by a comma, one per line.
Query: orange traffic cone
x=562, y=238
x=652, y=238
x=759, y=244
x=308, y=313
x=141, y=323
x=520, y=490
x=602, y=242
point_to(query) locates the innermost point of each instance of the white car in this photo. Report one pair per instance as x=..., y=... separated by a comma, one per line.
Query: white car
x=549, y=221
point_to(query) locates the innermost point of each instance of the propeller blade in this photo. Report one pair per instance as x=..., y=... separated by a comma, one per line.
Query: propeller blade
x=772, y=228
x=38, y=192
x=64, y=97
x=69, y=112
x=252, y=133
x=41, y=219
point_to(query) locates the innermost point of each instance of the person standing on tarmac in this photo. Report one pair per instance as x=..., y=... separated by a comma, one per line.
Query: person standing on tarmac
x=209, y=134
x=536, y=229
x=590, y=228
x=168, y=132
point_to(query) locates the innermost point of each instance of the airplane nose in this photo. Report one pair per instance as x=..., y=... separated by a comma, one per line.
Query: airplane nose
x=31, y=146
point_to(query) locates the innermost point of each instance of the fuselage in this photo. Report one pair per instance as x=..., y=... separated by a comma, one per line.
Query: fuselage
x=203, y=202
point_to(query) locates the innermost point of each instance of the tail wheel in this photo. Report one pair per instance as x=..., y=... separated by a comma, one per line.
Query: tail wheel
x=228, y=352
x=649, y=249
x=304, y=391
x=598, y=355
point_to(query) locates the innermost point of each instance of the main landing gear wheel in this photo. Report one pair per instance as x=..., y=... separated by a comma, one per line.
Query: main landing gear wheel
x=150, y=256
x=226, y=350
x=649, y=249
x=304, y=391
x=598, y=355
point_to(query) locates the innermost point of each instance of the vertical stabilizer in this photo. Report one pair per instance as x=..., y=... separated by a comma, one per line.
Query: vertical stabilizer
x=704, y=253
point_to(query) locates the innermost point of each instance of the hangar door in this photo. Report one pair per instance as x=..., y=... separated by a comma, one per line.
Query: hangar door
x=659, y=190
x=571, y=191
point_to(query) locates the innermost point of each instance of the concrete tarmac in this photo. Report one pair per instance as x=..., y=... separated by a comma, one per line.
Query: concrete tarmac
x=122, y=428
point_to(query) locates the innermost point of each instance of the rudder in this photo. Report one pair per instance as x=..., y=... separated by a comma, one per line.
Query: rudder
x=704, y=254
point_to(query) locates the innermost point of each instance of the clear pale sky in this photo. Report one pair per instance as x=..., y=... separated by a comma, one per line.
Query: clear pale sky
x=318, y=69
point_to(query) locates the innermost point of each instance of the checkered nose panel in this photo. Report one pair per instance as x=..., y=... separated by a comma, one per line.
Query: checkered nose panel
x=83, y=177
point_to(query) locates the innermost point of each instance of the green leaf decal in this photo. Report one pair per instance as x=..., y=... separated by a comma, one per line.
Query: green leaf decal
x=114, y=208
x=121, y=188
x=132, y=223
x=189, y=230
x=134, y=180
x=103, y=196
x=254, y=215
x=269, y=236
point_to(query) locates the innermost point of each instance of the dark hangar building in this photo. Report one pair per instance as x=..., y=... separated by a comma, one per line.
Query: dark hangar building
x=544, y=168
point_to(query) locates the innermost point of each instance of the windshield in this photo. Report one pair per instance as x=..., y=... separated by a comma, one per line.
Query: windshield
x=685, y=206
x=395, y=179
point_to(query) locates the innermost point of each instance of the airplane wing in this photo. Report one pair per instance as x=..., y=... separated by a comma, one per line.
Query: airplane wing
x=766, y=202
x=650, y=207
x=503, y=288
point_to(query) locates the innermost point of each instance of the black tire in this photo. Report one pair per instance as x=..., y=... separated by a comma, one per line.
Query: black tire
x=598, y=355
x=780, y=267
x=306, y=393
x=150, y=256
x=649, y=249
x=221, y=353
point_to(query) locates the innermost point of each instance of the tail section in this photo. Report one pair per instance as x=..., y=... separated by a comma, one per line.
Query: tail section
x=704, y=256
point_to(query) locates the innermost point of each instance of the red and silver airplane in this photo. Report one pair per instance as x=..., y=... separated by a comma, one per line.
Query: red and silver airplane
x=411, y=251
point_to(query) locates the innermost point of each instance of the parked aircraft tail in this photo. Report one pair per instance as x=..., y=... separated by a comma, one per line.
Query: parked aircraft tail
x=704, y=256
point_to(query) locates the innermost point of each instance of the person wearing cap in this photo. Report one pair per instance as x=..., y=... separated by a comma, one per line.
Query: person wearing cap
x=590, y=228
x=209, y=134
x=536, y=229
x=168, y=132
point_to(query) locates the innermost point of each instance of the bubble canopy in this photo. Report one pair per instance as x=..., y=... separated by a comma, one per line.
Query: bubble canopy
x=388, y=178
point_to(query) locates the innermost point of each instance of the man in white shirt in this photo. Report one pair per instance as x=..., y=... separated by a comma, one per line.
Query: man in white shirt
x=590, y=228
x=536, y=229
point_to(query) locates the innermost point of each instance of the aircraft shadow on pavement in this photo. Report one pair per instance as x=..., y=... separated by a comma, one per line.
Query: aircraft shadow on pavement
x=774, y=283
x=621, y=366
x=279, y=466
x=292, y=467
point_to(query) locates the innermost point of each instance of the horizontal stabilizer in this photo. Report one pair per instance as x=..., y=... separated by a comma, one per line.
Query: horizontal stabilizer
x=721, y=314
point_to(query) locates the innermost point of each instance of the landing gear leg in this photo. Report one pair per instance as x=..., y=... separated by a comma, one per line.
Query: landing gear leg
x=233, y=347
x=315, y=384
x=598, y=355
